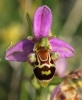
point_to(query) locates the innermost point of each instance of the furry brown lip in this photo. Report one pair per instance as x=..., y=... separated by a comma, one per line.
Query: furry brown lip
x=38, y=74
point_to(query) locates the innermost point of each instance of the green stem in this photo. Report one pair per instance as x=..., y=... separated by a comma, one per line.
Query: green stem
x=38, y=94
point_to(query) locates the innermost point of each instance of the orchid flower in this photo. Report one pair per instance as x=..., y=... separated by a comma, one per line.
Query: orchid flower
x=41, y=50
x=64, y=91
x=68, y=89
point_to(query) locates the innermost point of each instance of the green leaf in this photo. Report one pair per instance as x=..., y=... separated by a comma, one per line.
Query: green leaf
x=56, y=81
x=29, y=22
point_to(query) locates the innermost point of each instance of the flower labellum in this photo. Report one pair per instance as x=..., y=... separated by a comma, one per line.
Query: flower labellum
x=44, y=66
x=42, y=50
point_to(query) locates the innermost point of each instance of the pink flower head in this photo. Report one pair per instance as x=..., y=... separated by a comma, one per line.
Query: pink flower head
x=42, y=50
x=64, y=91
x=69, y=89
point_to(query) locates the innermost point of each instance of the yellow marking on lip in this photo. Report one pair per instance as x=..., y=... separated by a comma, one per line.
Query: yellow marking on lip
x=44, y=84
x=46, y=72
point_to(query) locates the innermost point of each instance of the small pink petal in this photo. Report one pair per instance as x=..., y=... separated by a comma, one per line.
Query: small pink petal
x=20, y=51
x=42, y=22
x=61, y=65
x=64, y=49
x=54, y=92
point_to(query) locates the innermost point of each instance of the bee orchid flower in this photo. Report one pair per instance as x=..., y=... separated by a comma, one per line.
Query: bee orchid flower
x=69, y=89
x=65, y=91
x=41, y=50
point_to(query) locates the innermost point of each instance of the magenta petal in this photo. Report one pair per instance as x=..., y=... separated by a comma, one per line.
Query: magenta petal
x=64, y=49
x=54, y=92
x=20, y=51
x=42, y=22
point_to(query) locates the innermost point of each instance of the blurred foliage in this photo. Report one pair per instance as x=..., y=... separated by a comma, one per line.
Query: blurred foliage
x=67, y=24
x=8, y=12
